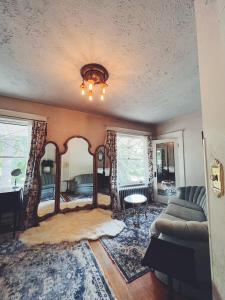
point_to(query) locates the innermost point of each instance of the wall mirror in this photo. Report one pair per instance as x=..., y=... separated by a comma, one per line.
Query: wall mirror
x=103, y=177
x=77, y=180
x=48, y=180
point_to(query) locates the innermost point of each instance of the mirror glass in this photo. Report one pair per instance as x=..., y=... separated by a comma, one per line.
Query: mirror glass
x=166, y=179
x=76, y=187
x=103, y=168
x=48, y=181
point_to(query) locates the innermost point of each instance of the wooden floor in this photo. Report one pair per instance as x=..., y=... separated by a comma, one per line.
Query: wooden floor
x=147, y=287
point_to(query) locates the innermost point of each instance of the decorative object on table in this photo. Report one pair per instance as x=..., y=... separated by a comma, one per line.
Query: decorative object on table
x=47, y=165
x=172, y=259
x=127, y=249
x=93, y=74
x=76, y=275
x=217, y=178
x=15, y=173
x=136, y=200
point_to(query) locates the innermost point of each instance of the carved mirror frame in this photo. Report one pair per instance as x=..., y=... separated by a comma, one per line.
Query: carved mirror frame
x=57, y=182
x=96, y=177
x=87, y=206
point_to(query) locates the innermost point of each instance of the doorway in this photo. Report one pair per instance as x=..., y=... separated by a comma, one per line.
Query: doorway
x=168, y=168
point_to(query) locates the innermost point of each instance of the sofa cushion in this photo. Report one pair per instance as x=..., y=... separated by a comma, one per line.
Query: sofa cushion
x=185, y=213
x=84, y=179
x=153, y=230
x=47, y=179
x=185, y=203
x=187, y=230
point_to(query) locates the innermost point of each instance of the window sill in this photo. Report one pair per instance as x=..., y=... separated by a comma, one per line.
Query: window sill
x=133, y=185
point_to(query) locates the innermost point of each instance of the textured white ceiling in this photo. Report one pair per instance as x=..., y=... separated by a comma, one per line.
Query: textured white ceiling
x=148, y=47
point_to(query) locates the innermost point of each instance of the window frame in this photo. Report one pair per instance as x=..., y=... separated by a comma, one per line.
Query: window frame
x=145, y=165
x=18, y=122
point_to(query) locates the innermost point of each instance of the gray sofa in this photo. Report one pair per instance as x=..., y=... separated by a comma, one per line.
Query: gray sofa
x=184, y=221
x=47, y=187
x=82, y=185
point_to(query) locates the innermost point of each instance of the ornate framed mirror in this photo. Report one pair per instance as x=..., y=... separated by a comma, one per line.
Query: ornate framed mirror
x=103, y=177
x=49, y=181
x=76, y=176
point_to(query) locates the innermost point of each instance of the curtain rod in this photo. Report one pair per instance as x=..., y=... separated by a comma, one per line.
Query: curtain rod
x=129, y=131
x=21, y=115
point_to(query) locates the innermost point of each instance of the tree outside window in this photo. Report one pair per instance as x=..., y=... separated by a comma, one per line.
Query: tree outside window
x=14, y=151
x=132, y=159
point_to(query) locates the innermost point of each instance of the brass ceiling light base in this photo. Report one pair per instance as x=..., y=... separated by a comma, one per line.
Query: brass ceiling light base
x=94, y=72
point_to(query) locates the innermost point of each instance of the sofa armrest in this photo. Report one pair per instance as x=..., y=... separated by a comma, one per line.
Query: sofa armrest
x=186, y=230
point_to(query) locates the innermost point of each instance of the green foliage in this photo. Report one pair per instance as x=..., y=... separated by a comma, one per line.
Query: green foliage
x=14, y=147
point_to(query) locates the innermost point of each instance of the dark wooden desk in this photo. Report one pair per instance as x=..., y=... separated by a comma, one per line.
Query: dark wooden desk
x=11, y=202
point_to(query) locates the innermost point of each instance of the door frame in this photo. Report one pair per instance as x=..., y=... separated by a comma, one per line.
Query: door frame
x=178, y=138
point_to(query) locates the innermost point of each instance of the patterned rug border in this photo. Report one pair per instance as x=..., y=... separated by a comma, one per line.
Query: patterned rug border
x=109, y=287
x=114, y=255
x=120, y=271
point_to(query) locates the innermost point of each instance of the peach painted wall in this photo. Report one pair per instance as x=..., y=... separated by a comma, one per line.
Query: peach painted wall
x=63, y=123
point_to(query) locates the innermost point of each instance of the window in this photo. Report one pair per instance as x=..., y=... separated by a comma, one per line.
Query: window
x=15, y=137
x=132, y=159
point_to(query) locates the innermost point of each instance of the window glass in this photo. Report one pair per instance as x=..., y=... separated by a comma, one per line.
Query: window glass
x=15, y=140
x=132, y=159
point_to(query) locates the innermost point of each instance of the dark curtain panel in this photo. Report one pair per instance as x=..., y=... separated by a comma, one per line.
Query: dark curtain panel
x=31, y=186
x=111, y=144
x=150, y=167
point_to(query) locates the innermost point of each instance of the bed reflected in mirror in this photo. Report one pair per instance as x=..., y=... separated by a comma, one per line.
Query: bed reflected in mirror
x=76, y=186
x=103, y=169
x=48, y=181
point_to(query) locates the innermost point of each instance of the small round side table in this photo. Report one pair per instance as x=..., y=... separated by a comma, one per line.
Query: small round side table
x=136, y=200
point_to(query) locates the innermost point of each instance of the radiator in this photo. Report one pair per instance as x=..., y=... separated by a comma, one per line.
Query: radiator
x=126, y=191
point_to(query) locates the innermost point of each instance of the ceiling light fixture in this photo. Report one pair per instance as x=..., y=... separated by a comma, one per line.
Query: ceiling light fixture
x=93, y=74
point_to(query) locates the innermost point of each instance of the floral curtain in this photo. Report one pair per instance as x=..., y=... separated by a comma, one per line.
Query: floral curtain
x=111, y=144
x=150, y=167
x=31, y=186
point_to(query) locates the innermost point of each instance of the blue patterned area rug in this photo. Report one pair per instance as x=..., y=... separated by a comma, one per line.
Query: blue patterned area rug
x=62, y=271
x=128, y=248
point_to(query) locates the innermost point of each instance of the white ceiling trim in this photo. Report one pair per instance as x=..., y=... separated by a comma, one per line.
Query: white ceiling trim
x=21, y=115
x=129, y=131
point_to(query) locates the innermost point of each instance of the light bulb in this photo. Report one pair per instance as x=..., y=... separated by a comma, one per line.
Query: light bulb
x=102, y=97
x=90, y=95
x=104, y=86
x=90, y=85
x=82, y=86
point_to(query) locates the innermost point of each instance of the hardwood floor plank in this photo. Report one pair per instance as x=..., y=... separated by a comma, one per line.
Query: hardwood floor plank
x=147, y=287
